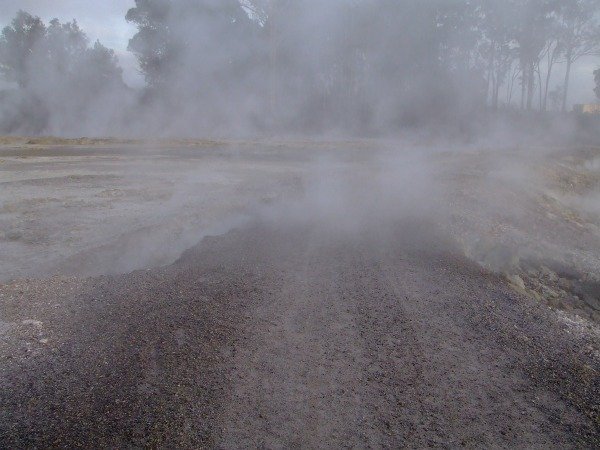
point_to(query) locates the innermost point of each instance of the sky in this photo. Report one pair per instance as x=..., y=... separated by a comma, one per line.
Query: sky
x=105, y=20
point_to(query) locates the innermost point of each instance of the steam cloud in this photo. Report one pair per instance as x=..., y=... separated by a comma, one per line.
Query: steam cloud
x=230, y=67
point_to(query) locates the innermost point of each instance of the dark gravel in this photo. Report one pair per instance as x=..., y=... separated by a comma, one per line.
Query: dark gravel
x=295, y=336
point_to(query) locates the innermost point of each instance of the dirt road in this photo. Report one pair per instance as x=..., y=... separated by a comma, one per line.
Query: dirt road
x=300, y=335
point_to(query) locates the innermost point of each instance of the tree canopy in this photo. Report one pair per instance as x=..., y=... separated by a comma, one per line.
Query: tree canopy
x=60, y=75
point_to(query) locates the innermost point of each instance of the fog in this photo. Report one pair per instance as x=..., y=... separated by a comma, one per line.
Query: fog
x=262, y=68
x=414, y=78
x=345, y=223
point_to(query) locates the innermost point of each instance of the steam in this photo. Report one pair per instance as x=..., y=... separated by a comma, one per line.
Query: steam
x=422, y=74
x=258, y=67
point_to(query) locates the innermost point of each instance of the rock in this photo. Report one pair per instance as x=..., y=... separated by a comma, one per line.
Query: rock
x=564, y=284
x=13, y=235
x=548, y=293
x=554, y=302
x=35, y=323
x=548, y=274
x=517, y=281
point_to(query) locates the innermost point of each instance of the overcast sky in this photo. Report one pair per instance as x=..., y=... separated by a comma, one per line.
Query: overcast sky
x=105, y=20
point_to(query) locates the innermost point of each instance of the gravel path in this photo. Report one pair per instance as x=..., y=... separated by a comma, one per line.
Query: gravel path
x=295, y=336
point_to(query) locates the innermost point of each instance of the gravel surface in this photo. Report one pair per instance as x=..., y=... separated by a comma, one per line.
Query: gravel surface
x=370, y=296
x=274, y=337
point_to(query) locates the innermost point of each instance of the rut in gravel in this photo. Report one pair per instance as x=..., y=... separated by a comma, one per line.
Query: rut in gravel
x=386, y=339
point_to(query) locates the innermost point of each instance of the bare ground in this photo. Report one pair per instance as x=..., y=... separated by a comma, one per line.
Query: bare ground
x=103, y=209
x=276, y=338
x=302, y=333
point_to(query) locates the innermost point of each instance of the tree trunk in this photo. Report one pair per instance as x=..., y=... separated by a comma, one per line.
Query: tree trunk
x=539, y=73
x=569, y=58
x=490, y=74
x=509, y=94
x=530, y=85
x=272, y=63
x=548, y=76
x=523, y=84
x=551, y=59
x=567, y=80
x=496, y=94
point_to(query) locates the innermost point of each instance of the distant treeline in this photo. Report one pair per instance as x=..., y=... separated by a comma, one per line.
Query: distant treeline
x=254, y=66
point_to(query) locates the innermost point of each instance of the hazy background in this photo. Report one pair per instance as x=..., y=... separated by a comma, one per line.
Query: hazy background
x=105, y=20
x=252, y=67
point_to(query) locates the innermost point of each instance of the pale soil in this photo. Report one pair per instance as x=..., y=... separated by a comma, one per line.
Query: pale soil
x=96, y=210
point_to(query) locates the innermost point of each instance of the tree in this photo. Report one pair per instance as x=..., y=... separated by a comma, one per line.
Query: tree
x=65, y=47
x=580, y=25
x=153, y=44
x=30, y=52
x=534, y=24
x=103, y=65
x=169, y=32
x=497, y=45
x=555, y=98
x=551, y=53
x=61, y=78
x=18, y=44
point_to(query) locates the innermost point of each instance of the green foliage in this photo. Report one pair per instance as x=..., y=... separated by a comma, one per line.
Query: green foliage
x=29, y=49
x=61, y=78
x=165, y=28
x=18, y=43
